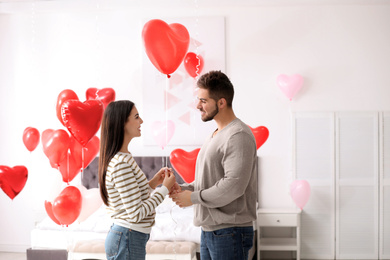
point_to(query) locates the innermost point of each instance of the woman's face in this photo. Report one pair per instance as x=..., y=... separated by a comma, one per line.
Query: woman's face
x=133, y=124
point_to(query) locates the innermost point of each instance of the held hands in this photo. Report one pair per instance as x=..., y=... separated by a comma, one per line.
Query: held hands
x=181, y=198
x=166, y=177
x=175, y=189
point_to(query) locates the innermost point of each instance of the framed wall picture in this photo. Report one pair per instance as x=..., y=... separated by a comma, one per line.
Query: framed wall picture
x=170, y=103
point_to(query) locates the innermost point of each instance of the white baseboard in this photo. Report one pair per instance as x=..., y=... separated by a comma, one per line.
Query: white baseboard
x=14, y=248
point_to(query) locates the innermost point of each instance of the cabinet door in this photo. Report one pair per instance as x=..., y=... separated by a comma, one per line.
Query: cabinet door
x=357, y=186
x=385, y=188
x=314, y=162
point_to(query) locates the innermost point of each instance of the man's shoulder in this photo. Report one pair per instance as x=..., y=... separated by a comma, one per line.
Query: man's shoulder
x=239, y=127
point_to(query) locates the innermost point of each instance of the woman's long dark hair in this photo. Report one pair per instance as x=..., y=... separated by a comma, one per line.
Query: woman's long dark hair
x=112, y=134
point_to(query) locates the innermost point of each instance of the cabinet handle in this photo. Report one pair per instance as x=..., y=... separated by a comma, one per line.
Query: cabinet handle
x=278, y=220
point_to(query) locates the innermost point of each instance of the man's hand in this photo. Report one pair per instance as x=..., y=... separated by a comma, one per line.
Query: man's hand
x=175, y=189
x=182, y=199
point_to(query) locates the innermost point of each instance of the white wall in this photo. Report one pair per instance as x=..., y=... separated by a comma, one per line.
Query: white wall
x=341, y=50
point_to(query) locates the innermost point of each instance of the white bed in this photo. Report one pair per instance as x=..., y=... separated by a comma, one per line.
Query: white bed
x=172, y=224
x=86, y=239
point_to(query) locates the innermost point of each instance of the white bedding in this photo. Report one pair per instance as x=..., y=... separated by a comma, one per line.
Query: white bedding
x=172, y=223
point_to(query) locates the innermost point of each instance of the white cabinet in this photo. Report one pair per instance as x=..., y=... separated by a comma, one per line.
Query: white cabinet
x=346, y=159
x=276, y=218
x=314, y=146
x=384, y=197
x=357, y=201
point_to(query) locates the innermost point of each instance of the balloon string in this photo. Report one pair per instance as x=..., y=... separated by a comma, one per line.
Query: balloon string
x=68, y=238
x=33, y=25
x=82, y=162
x=33, y=35
x=162, y=161
x=174, y=230
x=196, y=9
x=291, y=175
x=193, y=113
x=98, y=52
x=166, y=116
x=196, y=37
x=67, y=167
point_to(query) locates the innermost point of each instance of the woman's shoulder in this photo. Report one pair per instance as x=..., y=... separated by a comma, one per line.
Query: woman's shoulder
x=121, y=157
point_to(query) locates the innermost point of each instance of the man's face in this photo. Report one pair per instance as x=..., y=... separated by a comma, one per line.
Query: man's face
x=207, y=106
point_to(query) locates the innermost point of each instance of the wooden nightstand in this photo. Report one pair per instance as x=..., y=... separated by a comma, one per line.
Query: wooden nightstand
x=278, y=218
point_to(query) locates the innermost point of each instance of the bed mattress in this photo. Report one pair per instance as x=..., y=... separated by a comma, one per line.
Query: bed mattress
x=172, y=224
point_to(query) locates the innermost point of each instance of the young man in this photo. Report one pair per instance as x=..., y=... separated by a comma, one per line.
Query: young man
x=224, y=192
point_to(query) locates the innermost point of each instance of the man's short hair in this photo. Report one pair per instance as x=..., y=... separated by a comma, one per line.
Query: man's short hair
x=218, y=85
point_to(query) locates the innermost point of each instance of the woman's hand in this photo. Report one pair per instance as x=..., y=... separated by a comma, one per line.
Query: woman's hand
x=169, y=180
x=158, y=178
x=175, y=189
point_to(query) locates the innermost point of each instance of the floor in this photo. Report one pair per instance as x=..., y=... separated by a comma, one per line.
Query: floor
x=12, y=256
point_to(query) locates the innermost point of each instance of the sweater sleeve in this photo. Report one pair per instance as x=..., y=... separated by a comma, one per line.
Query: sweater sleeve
x=187, y=186
x=237, y=164
x=129, y=188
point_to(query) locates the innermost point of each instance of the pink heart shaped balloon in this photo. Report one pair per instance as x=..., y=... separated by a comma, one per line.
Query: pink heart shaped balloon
x=290, y=85
x=163, y=132
x=300, y=192
x=91, y=201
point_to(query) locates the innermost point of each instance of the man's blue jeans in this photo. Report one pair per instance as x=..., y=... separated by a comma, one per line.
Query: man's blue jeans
x=229, y=243
x=122, y=243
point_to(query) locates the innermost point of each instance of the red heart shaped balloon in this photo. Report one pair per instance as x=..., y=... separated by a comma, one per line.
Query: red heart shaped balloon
x=55, y=145
x=49, y=211
x=261, y=134
x=184, y=163
x=105, y=95
x=73, y=162
x=12, y=180
x=193, y=64
x=165, y=45
x=31, y=138
x=65, y=95
x=67, y=206
x=82, y=119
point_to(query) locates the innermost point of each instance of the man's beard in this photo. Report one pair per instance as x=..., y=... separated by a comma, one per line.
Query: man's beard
x=211, y=115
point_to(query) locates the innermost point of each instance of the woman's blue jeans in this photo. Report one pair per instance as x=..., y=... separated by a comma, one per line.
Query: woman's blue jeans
x=228, y=243
x=124, y=244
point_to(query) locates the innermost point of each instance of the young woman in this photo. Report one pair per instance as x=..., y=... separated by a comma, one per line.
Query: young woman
x=124, y=188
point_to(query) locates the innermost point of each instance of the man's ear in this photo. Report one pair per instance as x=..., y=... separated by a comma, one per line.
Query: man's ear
x=222, y=103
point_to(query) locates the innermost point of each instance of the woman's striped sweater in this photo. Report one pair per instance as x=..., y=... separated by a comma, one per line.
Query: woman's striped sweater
x=130, y=203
